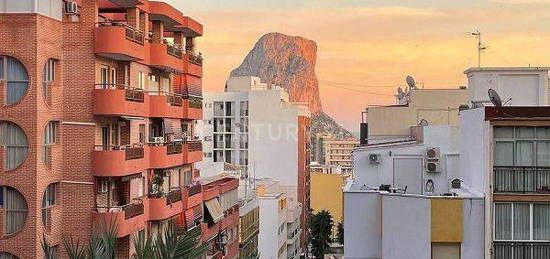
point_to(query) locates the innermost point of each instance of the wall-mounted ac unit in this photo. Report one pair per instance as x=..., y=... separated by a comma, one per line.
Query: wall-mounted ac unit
x=71, y=7
x=375, y=159
x=432, y=157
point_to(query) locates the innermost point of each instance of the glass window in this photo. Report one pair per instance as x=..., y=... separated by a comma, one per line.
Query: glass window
x=504, y=153
x=525, y=153
x=16, y=78
x=503, y=221
x=14, y=140
x=541, y=221
x=15, y=208
x=525, y=132
x=522, y=220
x=543, y=133
x=2, y=67
x=504, y=132
x=49, y=71
x=543, y=153
x=6, y=255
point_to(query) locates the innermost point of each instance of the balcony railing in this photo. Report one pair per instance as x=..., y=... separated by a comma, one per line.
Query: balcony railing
x=130, y=152
x=522, y=179
x=173, y=50
x=194, y=145
x=521, y=250
x=132, y=34
x=173, y=196
x=131, y=94
x=196, y=189
x=173, y=148
x=195, y=59
x=195, y=103
x=175, y=100
x=130, y=210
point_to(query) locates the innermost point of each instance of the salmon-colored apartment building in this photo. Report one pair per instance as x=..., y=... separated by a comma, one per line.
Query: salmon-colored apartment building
x=98, y=100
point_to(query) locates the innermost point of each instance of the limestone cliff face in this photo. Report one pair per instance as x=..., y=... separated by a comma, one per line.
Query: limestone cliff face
x=286, y=61
x=289, y=61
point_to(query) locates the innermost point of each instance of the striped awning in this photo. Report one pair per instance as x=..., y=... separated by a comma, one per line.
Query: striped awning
x=215, y=210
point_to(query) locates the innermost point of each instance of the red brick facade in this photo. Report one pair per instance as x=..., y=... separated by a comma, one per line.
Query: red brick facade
x=87, y=64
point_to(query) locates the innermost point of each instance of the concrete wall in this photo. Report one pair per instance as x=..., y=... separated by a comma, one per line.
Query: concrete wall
x=526, y=87
x=362, y=225
x=473, y=221
x=268, y=238
x=50, y=8
x=437, y=106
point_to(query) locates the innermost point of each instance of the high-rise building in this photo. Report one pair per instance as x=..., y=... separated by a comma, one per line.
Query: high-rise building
x=98, y=100
x=254, y=126
x=337, y=152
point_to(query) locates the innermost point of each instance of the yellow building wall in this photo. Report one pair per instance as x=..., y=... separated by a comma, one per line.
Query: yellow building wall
x=326, y=194
x=447, y=220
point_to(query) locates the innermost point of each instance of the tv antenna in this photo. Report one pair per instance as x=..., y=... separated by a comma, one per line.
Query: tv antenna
x=480, y=46
x=410, y=82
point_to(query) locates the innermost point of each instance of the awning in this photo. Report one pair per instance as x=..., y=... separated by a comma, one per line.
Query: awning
x=136, y=118
x=215, y=210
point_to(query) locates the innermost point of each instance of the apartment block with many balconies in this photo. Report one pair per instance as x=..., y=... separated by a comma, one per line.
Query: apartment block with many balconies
x=98, y=103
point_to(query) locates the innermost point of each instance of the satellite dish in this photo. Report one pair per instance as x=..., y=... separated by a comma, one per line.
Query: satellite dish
x=495, y=98
x=423, y=123
x=411, y=82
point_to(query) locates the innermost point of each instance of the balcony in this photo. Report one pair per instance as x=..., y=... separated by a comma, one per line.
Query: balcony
x=209, y=232
x=165, y=207
x=192, y=151
x=192, y=64
x=165, y=155
x=521, y=179
x=115, y=161
x=166, y=105
x=119, y=41
x=193, y=196
x=190, y=27
x=192, y=108
x=530, y=250
x=166, y=57
x=111, y=99
x=128, y=218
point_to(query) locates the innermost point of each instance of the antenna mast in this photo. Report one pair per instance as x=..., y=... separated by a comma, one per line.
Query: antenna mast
x=480, y=46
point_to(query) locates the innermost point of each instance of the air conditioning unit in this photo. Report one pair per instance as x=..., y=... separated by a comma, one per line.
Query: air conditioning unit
x=71, y=7
x=432, y=160
x=375, y=159
x=158, y=140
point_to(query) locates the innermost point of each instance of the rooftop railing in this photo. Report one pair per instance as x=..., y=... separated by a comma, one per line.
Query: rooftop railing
x=521, y=179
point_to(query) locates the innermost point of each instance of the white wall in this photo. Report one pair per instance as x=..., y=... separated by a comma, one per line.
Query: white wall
x=362, y=225
x=269, y=223
x=50, y=8
x=528, y=86
x=406, y=227
x=473, y=220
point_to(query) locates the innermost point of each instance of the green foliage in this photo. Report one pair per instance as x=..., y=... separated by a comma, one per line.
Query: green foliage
x=47, y=248
x=169, y=244
x=340, y=233
x=102, y=244
x=321, y=230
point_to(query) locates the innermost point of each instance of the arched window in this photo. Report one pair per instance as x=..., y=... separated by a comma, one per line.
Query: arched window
x=6, y=255
x=15, y=209
x=16, y=77
x=48, y=200
x=14, y=140
x=48, y=77
x=50, y=135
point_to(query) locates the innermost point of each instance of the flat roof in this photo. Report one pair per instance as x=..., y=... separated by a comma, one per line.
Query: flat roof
x=511, y=69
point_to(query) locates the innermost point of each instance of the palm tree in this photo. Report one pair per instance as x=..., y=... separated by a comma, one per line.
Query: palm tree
x=321, y=230
x=47, y=248
x=102, y=244
x=340, y=233
x=169, y=244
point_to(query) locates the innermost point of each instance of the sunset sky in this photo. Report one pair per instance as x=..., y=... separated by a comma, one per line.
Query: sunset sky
x=367, y=47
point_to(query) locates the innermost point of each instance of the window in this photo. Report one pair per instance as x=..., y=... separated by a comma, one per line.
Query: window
x=6, y=255
x=15, y=209
x=522, y=146
x=14, y=140
x=522, y=221
x=141, y=80
x=50, y=135
x=48, y=200
x=49, y=71
x=16, y=78
x=103, y=186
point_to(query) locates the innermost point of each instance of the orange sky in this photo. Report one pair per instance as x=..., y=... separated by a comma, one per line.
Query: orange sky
x=369, y=46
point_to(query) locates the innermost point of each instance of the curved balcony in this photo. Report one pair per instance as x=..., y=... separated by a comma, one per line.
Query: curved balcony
x=110, y=99
x=165, y=155
x=115, y=161
x=167, y=206
x=192, y=109
x=192, y=64
x=192, y=196
x=192, y=151
x=169, y=15
x=165, y=105
x=166, y=57
x=119, y=41
x=210, y=192
x=128, y=218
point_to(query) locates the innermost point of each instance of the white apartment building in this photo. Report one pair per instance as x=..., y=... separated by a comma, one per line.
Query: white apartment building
x=485, y=193
x=337, y=152
x=280, y=230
